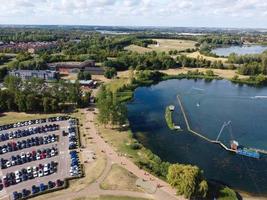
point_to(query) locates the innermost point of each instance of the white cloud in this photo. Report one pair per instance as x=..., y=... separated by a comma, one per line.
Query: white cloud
x=136, y=12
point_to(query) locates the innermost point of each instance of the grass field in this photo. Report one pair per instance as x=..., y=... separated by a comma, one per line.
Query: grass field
x=110, y=198
x=117, y=83
x=138, y=49
x=12, y=117
x=119, y=179
x=224, y=73
x=168, y=117
x=165, y=45
x=198, y=55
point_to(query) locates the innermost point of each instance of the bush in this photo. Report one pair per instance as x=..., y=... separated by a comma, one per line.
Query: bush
x=136, y=146
x=110, y=72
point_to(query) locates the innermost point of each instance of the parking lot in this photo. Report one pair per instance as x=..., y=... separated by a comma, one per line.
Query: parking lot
x=37, y=160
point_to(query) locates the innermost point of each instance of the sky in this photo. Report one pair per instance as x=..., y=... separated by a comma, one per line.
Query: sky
x=174, y=13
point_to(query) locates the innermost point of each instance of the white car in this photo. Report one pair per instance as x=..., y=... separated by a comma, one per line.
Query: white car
x=22, y=155
x=8, y=164
x=40, y=173
x=4, y=150
x=34, y=171
x=52, y=153
x=46, y=171
x=29, y=170
x=18, y=179
x=38, y=157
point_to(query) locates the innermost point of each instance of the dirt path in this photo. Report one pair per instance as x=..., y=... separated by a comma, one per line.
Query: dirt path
x=165, y=192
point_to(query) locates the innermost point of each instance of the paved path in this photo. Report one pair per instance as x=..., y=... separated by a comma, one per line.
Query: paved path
x=165, y=192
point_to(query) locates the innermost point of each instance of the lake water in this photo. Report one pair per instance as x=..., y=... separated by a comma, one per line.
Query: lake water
x=240, y=50
x=219, y=101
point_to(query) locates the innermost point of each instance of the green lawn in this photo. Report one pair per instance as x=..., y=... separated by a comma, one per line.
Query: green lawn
x=168, y=117
x=12, y=117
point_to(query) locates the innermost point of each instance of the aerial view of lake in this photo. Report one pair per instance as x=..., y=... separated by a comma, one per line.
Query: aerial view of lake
x=240, y=50
x=207, y=105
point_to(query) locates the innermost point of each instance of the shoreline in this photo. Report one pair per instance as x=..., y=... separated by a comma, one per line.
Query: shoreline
x=147, y=83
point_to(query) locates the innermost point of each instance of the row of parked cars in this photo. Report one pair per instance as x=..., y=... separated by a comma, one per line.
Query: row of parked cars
x=27, y=132
x=72, y=134
x=35, y=189
x=30, y=142
x=31, y=122
x=29, y=173
x=28, y=157
x=75, y=164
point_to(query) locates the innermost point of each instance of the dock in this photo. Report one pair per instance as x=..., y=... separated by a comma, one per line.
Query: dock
x=198, y=134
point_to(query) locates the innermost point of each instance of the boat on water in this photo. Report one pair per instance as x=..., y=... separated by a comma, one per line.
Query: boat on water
x=176, y=127
x=171, y=107
x=244, y=151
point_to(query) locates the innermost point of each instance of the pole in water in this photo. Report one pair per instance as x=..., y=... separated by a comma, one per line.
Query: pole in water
x=223, y=126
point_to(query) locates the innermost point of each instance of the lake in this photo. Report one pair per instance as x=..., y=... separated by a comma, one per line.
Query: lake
x=240, y=50
x=207, y=105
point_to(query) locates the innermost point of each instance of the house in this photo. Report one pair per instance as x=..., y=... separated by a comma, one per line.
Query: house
x=28, y=74
x=86, y=83
x=76, y=67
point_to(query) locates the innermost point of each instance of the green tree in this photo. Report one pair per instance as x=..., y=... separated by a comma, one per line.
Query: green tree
x=264, y=63
x=187, y=180
x=54, y=105
x=104, y=103
x=110, y=72
x=13, y=83
x=32, y=103
x=209, y=73
x=3, y=73
x=87, y=76
x=47, y=104
x=20, y=100
x=118, y=112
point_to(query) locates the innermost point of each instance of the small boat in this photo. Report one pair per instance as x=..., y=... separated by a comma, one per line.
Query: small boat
x=171, y=108
x=177, y=127
x=198, y=105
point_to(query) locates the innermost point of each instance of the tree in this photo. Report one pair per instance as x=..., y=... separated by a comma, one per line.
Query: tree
x=47, y=104
x=80, y=76
x=104, y=103
x=12, y=82
x=209, y=73
x=264, y=63
x=87, y=76
x=23, y=56
x=110, y=72
x=32, y=103
x=188, y=180
x=3, y=73
x=54, y=105
x=118, y=111
x=20, y=100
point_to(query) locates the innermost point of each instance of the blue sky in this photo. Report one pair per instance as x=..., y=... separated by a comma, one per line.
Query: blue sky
x=201, y=13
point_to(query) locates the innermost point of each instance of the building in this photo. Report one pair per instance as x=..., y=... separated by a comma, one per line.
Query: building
x=86, y=83
x=76, y=67
x=31, y=47
x=28, y=74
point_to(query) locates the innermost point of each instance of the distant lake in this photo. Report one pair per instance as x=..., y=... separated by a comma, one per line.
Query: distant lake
x=240, y=50
x=208, y=105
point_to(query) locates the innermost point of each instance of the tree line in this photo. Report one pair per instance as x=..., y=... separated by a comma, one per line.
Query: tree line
x=35, y=96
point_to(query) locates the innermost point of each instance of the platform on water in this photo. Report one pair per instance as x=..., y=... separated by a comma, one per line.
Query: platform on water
x=250, y=152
